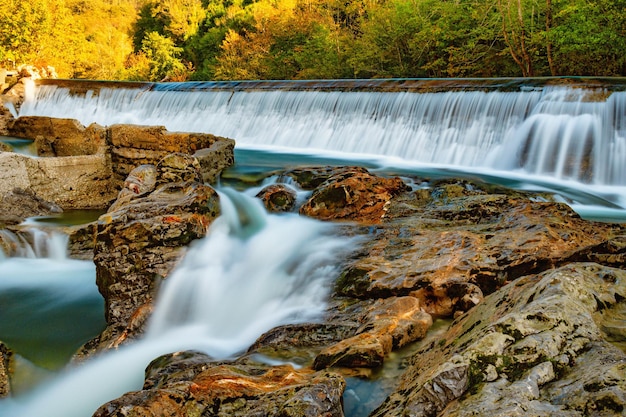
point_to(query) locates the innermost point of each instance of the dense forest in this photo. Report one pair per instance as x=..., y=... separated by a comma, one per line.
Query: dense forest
x=307, y=39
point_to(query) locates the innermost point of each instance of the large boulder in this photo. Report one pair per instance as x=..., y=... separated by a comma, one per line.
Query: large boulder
x=143, y=236
x=536, y=347
x=73, y=182
x=132, y=146
x=189, y=383
x=353, y=195
x=60, y=137
x=449, y=248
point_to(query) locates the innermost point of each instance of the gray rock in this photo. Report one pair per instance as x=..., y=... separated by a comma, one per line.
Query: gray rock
x=541, y=335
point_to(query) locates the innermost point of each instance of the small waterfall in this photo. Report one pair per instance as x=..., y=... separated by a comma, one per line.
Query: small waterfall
x=252, y=272
x=33, y=243
x=568, y=133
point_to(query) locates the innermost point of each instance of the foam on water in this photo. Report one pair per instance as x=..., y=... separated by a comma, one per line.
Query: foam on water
x=252, y=272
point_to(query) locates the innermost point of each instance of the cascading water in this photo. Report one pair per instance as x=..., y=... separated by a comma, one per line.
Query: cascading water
x=560, y=132
x=33, y=243
x=252, y=272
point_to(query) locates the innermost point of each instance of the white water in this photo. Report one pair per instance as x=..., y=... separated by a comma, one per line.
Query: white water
x=252, y=272
x=564, y=133
x=39, y=244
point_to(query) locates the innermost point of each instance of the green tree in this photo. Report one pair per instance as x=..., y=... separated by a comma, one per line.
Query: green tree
x=162, y=56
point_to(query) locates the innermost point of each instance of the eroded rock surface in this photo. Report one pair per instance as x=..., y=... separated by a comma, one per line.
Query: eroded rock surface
x=353, y=195
x=189, y=383
x=5, y=358
x=143, y=236
x=278, y=198
x=60, y=137
x=533, y=348
x=131, y=146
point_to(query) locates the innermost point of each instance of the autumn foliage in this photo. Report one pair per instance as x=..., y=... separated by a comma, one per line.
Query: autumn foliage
x=306, y=39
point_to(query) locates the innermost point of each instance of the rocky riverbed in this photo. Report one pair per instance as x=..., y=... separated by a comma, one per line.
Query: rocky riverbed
x=535, y=295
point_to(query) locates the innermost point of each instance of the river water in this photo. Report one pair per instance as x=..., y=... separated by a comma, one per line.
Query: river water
x=567, y=141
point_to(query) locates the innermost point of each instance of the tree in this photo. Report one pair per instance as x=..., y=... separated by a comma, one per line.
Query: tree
x=162, y=56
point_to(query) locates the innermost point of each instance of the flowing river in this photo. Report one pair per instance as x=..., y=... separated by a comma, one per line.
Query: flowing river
x=249, y=274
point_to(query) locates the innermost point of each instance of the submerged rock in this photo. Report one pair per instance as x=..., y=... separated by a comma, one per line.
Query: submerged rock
x=188, y=383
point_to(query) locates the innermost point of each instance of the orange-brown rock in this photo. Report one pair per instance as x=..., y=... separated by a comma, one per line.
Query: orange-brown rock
x=140, y=240
x=188, y=383
x=60, y=137
x=277, y=198
x=353, y=195
x=484, y=239
x=387, y=324
x=132, y=146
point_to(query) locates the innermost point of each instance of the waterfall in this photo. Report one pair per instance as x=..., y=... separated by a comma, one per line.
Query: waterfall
x=253, y=271
x=33, y=243
x=568, y=133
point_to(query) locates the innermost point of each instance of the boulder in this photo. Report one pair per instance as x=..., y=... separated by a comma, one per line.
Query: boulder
x=60, y=137
x=450, y=252
x=189, y=383
x=353, y=195
x=533, y=348
x=387, y=324
x=77, y=182
x=309, y=178
x=278, y=198
x=140, y=240
x=132, y=146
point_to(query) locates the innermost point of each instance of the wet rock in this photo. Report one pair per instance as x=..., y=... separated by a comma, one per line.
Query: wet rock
x=278, y=198
x=214, y=159
x=189, y=383
x=364, y=350
x=132, y=146
x=5, y=373
x=309, y=178
x=178, y=167
x=139, y=243
x=532, y=348
x=60, y=137
x=18, y=204
x=423, y=251
x=387, y=324
x=353, y=195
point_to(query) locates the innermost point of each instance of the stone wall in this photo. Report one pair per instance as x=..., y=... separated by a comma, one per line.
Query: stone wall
x=84, y=167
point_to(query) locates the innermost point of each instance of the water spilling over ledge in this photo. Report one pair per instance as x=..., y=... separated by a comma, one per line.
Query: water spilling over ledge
x=570, y=129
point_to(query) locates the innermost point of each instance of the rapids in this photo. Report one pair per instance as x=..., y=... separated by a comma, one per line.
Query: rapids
x=252, y=272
